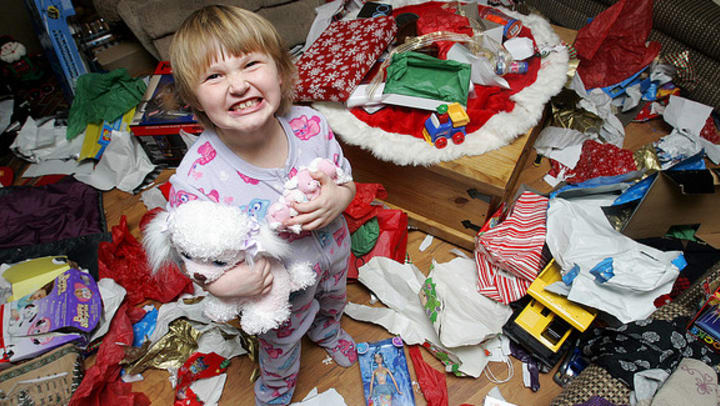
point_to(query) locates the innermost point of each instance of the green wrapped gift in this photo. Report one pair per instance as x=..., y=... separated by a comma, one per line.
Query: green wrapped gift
x=419, y=75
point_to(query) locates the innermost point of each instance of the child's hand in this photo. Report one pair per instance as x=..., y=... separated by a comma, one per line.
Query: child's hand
x=243, y=281
x=329, y=204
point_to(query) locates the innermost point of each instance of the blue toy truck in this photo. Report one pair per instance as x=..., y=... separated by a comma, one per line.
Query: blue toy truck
x=448, y=122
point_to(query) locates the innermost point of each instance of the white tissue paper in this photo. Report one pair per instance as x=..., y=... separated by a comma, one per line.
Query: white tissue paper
x=124, y=165
x=465, y=317
x=397, y=286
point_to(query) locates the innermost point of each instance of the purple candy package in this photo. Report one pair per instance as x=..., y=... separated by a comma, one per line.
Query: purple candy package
x=64, y=310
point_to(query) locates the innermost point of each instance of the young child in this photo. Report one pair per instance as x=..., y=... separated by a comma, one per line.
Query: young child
x=231, y=67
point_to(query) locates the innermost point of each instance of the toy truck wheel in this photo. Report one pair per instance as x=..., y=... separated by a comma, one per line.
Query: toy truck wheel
x=441, y=142
x=458, y=138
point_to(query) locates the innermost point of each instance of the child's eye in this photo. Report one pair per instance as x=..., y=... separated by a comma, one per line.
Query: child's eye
x=212, y=76
x=251, y=64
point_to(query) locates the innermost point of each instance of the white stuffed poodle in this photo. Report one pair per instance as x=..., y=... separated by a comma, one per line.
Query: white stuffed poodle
x=206, y=239
x=302, y=188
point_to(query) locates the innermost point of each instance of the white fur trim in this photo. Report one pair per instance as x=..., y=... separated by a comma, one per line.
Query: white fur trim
x=500, y=130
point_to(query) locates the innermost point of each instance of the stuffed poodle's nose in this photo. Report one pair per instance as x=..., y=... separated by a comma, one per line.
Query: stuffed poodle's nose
x=200, y=278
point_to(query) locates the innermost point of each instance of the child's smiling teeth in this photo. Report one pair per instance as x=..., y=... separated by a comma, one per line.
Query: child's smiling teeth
x=245, y=104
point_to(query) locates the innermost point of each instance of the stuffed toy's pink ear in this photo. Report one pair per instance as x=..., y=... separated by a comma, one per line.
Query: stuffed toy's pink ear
x=156, y=240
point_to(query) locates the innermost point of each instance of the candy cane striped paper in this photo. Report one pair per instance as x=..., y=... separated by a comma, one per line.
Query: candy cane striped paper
x=510, y=255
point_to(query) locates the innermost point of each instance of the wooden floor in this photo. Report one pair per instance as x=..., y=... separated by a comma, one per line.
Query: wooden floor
x=314, y=373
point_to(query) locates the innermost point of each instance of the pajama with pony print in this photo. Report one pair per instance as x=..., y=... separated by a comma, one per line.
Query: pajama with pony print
x=211, y=171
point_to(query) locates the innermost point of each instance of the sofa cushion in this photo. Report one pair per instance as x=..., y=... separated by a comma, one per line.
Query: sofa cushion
x=692, y=22
x=292, y=20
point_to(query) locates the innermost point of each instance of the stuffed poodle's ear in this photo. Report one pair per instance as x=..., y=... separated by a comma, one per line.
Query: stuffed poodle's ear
x=157, y=243
x=271, y=243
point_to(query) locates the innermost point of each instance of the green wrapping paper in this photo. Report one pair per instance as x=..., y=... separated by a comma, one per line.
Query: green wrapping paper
x=420, y=75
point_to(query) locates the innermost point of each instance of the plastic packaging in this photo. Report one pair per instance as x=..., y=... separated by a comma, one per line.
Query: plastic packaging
x=512, y=26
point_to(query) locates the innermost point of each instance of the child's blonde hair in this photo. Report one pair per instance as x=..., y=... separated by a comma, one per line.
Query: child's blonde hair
x=220, y=30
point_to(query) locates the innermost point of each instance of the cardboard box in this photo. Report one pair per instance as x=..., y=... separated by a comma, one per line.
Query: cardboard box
x=50, y=21
x=163, y=150
x=29, y=276
x=679, y=198
x=129, y=55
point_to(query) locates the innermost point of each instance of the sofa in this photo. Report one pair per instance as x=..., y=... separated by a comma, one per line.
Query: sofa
x=678, y=25
x=153, y=22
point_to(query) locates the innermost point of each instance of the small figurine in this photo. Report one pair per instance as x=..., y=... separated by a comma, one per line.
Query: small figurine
x=448, y=121
x=16, y=62
x=302, y=188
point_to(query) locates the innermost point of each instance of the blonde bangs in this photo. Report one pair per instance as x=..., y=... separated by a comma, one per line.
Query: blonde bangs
x=217, y=32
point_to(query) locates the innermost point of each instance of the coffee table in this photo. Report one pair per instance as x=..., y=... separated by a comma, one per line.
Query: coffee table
x=449, y=200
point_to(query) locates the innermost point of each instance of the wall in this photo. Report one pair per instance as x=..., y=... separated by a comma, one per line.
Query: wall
x=15, y=21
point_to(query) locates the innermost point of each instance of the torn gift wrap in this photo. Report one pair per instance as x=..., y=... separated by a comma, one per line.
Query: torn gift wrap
x=509, y=256
x=397, y=286
x=460, y=315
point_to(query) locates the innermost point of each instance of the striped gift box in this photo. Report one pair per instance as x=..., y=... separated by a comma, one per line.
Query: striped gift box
x=510, y=255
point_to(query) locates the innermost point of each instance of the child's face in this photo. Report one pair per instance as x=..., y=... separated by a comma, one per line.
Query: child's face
x=240, y=94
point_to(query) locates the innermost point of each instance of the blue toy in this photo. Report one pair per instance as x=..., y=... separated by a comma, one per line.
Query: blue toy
x=448, y=122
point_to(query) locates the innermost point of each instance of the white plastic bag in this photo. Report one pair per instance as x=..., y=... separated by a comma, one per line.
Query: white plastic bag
x=582, y=238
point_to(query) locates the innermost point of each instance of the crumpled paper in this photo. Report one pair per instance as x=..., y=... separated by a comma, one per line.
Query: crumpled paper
x=612, y=47
x=462, y=316
x=688, y=119
x=101, y=385
x=39, y=141
x=397, y=286
x=103, y=96
x=124, y=165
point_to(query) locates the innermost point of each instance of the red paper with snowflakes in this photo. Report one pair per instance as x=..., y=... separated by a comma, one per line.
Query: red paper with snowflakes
x=340, y=58
x=596, y=160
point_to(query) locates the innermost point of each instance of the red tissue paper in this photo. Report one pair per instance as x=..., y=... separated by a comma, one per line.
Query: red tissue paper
x=432, y=382
x=392, y=241
x=123, y=259
x=612, y=47
x=101, y=385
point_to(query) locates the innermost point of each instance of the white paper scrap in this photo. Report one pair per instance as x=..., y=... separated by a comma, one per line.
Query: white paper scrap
x=328, y=398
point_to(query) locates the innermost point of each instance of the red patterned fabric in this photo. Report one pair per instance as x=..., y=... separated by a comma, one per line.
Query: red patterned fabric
x=596, y=160
x=509, y=256
x=340, y=58
x=489, y=100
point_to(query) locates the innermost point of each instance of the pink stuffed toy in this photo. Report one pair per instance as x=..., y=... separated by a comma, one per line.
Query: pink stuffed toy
x=302, y=188
x=206, y=239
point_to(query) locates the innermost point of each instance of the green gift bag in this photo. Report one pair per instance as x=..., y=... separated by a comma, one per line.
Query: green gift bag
x=419, y=75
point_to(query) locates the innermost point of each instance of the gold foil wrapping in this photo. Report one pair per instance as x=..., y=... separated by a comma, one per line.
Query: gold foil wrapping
x=565, y=114
x=646, y=158
x=170, y=351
